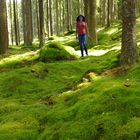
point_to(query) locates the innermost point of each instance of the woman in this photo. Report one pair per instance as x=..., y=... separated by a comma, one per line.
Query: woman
x=81, y=31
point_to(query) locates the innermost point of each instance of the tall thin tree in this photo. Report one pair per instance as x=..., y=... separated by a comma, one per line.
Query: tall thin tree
x=27, y=22
x=15, y=23
x=129, y=53
x=11, y=22
x=92, y=22
x=3, y=27
x=41, y=21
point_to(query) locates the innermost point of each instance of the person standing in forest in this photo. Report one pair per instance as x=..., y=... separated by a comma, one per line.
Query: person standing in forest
x=81, y=32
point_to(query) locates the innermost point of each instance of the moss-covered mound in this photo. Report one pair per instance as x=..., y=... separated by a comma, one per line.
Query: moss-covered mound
x=51, y=38
x=56, y=51
x=70, y=32
x=73, y=43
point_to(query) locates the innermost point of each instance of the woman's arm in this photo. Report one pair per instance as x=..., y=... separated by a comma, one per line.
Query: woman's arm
x=86, y=28
x=76, y=30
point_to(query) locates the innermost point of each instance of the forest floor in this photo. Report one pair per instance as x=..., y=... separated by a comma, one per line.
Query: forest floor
x=65, y=97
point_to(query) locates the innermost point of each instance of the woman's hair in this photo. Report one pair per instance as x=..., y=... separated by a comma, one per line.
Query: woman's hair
x=78, y=18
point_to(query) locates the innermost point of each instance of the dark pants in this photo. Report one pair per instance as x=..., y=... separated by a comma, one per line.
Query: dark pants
x=82, y=41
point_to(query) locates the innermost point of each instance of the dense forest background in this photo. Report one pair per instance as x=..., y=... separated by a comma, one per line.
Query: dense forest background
x=57, y=17
x=29, y=20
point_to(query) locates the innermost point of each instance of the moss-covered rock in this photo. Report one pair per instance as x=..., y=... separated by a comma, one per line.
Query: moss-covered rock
x=56, y=51
x=72, y=43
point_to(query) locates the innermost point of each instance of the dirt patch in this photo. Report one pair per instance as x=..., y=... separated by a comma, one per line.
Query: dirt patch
x=116, y=71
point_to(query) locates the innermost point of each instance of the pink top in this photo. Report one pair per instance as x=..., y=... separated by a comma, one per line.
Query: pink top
x=81, y=28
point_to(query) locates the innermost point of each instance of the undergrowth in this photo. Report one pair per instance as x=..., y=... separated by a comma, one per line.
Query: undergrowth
x=55, y=100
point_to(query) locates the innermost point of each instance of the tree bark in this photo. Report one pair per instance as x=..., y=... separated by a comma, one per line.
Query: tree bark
x=108, y=13
x=27, y=22
x=15, y=23
x=104, y=16
x=50, y=15
x=3, y=28
x=41, y=20
x=92, y=22
x=69, y=14
x=11, y=22
x=57, y=18
x=129, y=53
x=86, y=10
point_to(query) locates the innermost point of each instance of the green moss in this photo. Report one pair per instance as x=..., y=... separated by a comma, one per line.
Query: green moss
x=55, y=51
x=51, y=38
x=69, y=32
x=116, y=36
x=42, y=101
x=72, y=43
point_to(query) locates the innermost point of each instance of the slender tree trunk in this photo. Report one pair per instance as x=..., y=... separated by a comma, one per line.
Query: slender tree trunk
x=86, y=10
x=15, y=23
x=57, y=18
x=79, y=7
x=71, y=21
x=93, y=22
x=60, y=19
x=23, y=21
x=3, y=28
x=63, y=5
x=34, y=27
x=108, y=13
x=41, y=19
x=18, y=32
x=27, y=19
x=112, y=10
x=68, y=18
x=48, y=18
x=11, y=22
x=104, y=16
x=51, y=20
x=129, y=53
x=37, y=18
x=69, y=14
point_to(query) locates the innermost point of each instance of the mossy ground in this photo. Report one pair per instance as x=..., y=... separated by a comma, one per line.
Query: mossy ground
x=52, y=101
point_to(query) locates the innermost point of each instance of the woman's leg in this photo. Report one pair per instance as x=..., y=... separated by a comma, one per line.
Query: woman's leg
x=81, y=44
x=84, y=43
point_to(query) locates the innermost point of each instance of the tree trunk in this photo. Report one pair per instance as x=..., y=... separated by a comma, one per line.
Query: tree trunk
x=51, y=20
x=112, y=10
x=57, y=18
x=104, y=16
x=86, y=10
x=41, y=21
x=79, y=7
x=108, y=13
x=18, y=32
x=129, y=53
x=64, y=17
x=27, y=19
x=37, y=18
x=92, y=22
x=48, y=17
x=60, y=19
x=15, y=23
x=69, y=14
x=11, y=22
x=3, y=28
